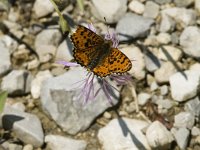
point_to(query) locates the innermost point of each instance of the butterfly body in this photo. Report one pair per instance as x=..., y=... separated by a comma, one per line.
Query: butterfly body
x=102, y=51
x=97, y=55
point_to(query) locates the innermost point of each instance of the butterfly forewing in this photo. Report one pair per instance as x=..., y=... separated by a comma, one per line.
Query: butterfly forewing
x=84, y=38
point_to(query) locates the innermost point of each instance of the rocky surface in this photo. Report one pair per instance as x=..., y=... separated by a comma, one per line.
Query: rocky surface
x=50, y=106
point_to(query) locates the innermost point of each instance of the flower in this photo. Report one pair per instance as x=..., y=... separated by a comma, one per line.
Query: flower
x=88, y=91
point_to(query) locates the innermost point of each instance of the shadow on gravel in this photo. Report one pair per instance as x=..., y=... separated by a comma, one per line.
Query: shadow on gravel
x=127, y=131
x=154, y=58
x=9, y=120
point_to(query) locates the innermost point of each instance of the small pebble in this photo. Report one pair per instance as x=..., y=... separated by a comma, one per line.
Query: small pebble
x=136, y=6
x=28, y=147
x=164, y=90
x=107, y=115
x=195, y=131
x=143, y=98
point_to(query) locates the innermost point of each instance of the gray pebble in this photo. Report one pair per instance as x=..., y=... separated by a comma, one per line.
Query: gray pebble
x=57, y=142
x=184, y=119
x=164, y=90
x=62, y=99
x=151, y=10
x=112, y=10
x=133, y=26
x=5, y=62
x=162, y=1
x=143, y=98
x=189, y=40
x=183, y=3
x=17, y=82
x=158, y=136
x=182, y=137
x=189, y=85
x=116, y=132
x=42, y=8
x=193, y=106
x=27, y=127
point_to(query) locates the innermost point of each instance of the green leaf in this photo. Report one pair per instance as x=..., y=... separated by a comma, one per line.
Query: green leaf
x=3, y=97
x=62, y=22
x=5, y=5
x=81, y=5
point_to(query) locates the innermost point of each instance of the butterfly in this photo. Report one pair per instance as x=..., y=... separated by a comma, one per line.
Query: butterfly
x=97, y=55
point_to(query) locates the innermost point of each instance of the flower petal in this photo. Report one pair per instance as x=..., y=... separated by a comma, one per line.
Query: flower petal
x=68, y=64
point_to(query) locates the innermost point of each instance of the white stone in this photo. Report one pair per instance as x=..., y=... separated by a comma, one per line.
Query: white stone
x=166, y=103
x=66, y=102
x=27, y=127
x=121, y=133
x=57, y=142
x=48, y=37
x=182, y=137
x=193, y=106
x=46, y=52
x=164, y=90
x=161, y=2
x=163, y=74
x=169, y=51
x=184, y=85
x=112, y=10
x=158, y=136
x=5, y=63
x=136, y=6
x=143, y=98
x=132, y=26
x=151, y=9
x=195, y=131
x=37, y=82
x=163, y=38
x=13, y=15
x=183, y=3
x=28, y=147
x=107, y=115
x=189, y=40
x=46, y=43
x=167, y=24
x=197, y=5
x=137, y=59
x=151, y=60
x=17, y=82
x=42, y=8
x=184, y=119
x=151, y=40
x=64, y=51
x=195, y=66
x=19, y=106
x=9, y=43
x=33, y=64
x=154, y=86
x=182, y=16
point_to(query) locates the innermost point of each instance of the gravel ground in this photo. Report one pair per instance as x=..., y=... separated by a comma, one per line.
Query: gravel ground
x=158, y=109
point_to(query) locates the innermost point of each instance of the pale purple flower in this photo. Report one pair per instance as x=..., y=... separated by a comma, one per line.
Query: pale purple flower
x=88, y=91
x=67, y=64
x=91, y=27
x=113, y=38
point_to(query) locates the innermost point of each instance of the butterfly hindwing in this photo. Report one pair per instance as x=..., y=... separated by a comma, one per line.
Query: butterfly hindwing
x=84, y=57
x=118, y=62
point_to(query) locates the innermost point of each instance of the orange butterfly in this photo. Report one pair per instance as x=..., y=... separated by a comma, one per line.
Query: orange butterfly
x=97, y=55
